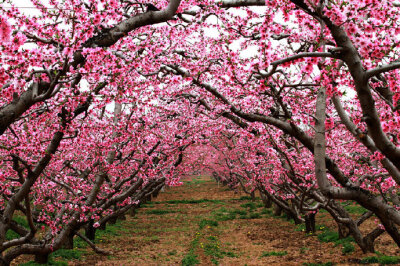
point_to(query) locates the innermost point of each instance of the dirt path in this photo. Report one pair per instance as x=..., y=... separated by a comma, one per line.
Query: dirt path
x=201, y=222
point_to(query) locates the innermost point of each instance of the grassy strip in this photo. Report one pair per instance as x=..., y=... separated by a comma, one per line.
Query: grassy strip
x=327, y=235
x=62, y=256
x=50, y=263
x=191, y=201
x=319, y=264
x=191, y=258
x=212, y=248
x=273, y=253
x=381, y=259
x=160, y=212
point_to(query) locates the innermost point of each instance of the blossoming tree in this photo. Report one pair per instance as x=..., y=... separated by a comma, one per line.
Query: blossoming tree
x=102, y=100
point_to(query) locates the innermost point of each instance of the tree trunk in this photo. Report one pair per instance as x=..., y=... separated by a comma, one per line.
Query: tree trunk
x=132, y=211
x=113, y=220
x=69, y=241
x=90, y=231
x=3, y=262
x=42, y=258
x=277, y=210
x=310, y=223
x=343, y=231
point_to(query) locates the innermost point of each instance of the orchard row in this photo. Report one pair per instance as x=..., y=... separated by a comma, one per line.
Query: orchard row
x=105, y=102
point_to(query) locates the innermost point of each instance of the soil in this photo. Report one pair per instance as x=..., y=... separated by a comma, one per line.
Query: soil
x=166, y=233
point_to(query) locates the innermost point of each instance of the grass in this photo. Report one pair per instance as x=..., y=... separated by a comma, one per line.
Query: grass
x=244, y=198
x=273, y=253
x=67, y=254
x=330, y=236
x=249, y=205
x=266, y=211
x=303, y=250
x=247, y=211
x=192, y=201
x=382, y=260
x=205, y=222
x=172, y=253
x=319, y=264
x=254, y=216
x=210, y=242
x=212, y=249
x=149, y=204
x=21, y=220
x=224, y=214
x=151, y=238
x=353, y=207
x=160, y=212
x=79, y=243
x=111, y=230
x=190, y=259
x=50, y=263
x=195, y=181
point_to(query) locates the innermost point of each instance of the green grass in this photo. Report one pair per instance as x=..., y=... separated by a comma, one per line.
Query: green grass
x=318, y=227
x=151, y=238
x=249, y=205
x=247, y=198
x=21, y=220
x=50, y=263
x=354, y=208
x=382, y=260
x=149, y=204
x=192, y=201
x=212, y=248
x=247, y=211
x=319, y=264
x=172, y=253
x=112, y=230
x=347, y=248
x=240, y=212
x=195, y=181
x=224, y=214
x=159, y=212
x=273, y=253
x=266, y=211
x=79, y=243
x=254, y=216
x=330, y=236
x=10, y=235
x=303, y=250
x=190, y=259
x=205, y=222
x=68, y=254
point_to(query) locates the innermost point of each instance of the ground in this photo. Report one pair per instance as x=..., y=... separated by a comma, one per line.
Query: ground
x=205, y=223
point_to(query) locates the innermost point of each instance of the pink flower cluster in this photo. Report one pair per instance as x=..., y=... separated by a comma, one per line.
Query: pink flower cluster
x=5, y=30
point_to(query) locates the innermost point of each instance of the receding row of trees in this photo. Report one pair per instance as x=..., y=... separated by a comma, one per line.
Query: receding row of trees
x=105, y=103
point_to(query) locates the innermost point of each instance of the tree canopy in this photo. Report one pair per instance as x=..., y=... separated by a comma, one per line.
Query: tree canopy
x=105, y=102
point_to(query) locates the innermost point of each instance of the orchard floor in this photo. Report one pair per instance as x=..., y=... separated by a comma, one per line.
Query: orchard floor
x=201, y=222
